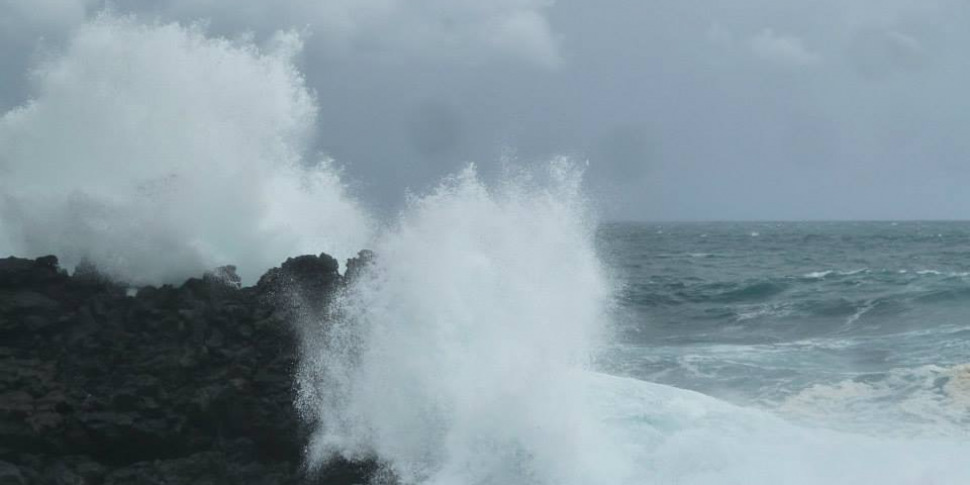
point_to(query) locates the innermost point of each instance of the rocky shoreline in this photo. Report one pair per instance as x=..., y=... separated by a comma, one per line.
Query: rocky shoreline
x=100, y=384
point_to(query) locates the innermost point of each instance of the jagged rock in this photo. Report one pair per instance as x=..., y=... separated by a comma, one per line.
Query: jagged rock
x=303, y=271
x=304, y=284
x=169, y=385
x=10, y=474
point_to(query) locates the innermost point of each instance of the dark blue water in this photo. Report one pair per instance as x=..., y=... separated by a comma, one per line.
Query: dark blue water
x=858, y=324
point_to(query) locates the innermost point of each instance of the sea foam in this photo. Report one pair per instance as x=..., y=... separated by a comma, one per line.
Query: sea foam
x=456, y=358
x=464, y=356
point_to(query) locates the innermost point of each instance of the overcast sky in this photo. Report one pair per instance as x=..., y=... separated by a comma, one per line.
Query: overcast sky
x=685, y=109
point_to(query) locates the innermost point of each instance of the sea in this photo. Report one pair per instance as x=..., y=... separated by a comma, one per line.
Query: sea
x=857, y=326
x=841, y=349
x=505, y=335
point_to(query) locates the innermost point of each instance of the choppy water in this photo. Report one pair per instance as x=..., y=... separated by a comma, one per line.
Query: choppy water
x=500, y=339
x=853, y=325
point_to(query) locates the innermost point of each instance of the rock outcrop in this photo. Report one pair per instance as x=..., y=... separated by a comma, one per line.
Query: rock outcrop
x=170, y=385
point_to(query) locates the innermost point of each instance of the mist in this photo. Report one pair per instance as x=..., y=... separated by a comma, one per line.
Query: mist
x=156, y=152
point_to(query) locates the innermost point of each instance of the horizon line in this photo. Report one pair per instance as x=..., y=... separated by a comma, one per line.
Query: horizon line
x=771, y=221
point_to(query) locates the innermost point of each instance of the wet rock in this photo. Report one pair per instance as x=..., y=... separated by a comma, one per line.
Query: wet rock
x=10, y=474
x=19, y=273
x=166, y=385
x=302, y=272
x=304, y=285
x=72, y=470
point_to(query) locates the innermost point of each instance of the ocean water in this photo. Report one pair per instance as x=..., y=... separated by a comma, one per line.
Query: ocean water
x=503, y=336
x=858, y=326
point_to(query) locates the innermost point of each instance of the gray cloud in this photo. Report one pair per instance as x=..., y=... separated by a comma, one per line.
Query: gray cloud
x=389, y=30
x=783, y=49
x=434, y=129
x=687, y=110
x=881, y=53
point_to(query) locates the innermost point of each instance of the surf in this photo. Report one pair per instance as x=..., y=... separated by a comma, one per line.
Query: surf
x=468, y=354
x=469, y=351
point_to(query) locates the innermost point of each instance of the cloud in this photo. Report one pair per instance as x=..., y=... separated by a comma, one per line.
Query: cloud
x=462, y=32
x=409, y=89
x=457, y=30
x=43, y=15
x=783, y=50
x=881, y=53
x=157, y=152
x=435, y=129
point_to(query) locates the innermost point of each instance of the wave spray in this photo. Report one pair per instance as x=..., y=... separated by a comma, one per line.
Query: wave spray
x=456, y=357
x=463, y=356
x=158, y=152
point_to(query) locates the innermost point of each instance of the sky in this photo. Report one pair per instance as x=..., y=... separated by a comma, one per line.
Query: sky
x=683, y=109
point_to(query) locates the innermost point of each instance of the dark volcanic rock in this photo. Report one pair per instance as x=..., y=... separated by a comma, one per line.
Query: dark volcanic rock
x=10, y=474
x=188, y=384
x=304, y=284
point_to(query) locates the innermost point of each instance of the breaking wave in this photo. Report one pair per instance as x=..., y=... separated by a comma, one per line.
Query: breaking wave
x=457, y=358
x=466, y=353
x=155, y=152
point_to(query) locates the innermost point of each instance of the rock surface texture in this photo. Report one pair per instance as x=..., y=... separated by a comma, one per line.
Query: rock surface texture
x=169, y=385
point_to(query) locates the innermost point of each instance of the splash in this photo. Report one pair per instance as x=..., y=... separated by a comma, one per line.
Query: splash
x=156, y=152
x=455, y=358
x=463, y=356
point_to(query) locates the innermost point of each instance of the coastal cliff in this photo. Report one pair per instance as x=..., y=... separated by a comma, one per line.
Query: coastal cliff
x=104, y=384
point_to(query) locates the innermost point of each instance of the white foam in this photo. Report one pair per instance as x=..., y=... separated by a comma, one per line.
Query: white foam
x=948, y=274
x=682, y=437
x=817, y=274
x=826, y=273
x=456, y=361
x=158, y=152
x=462, y=359
x=927, y=401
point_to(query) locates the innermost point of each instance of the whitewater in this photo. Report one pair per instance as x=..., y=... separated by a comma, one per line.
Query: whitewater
x=479, y=345
x=469, y=355
x=473, y=353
